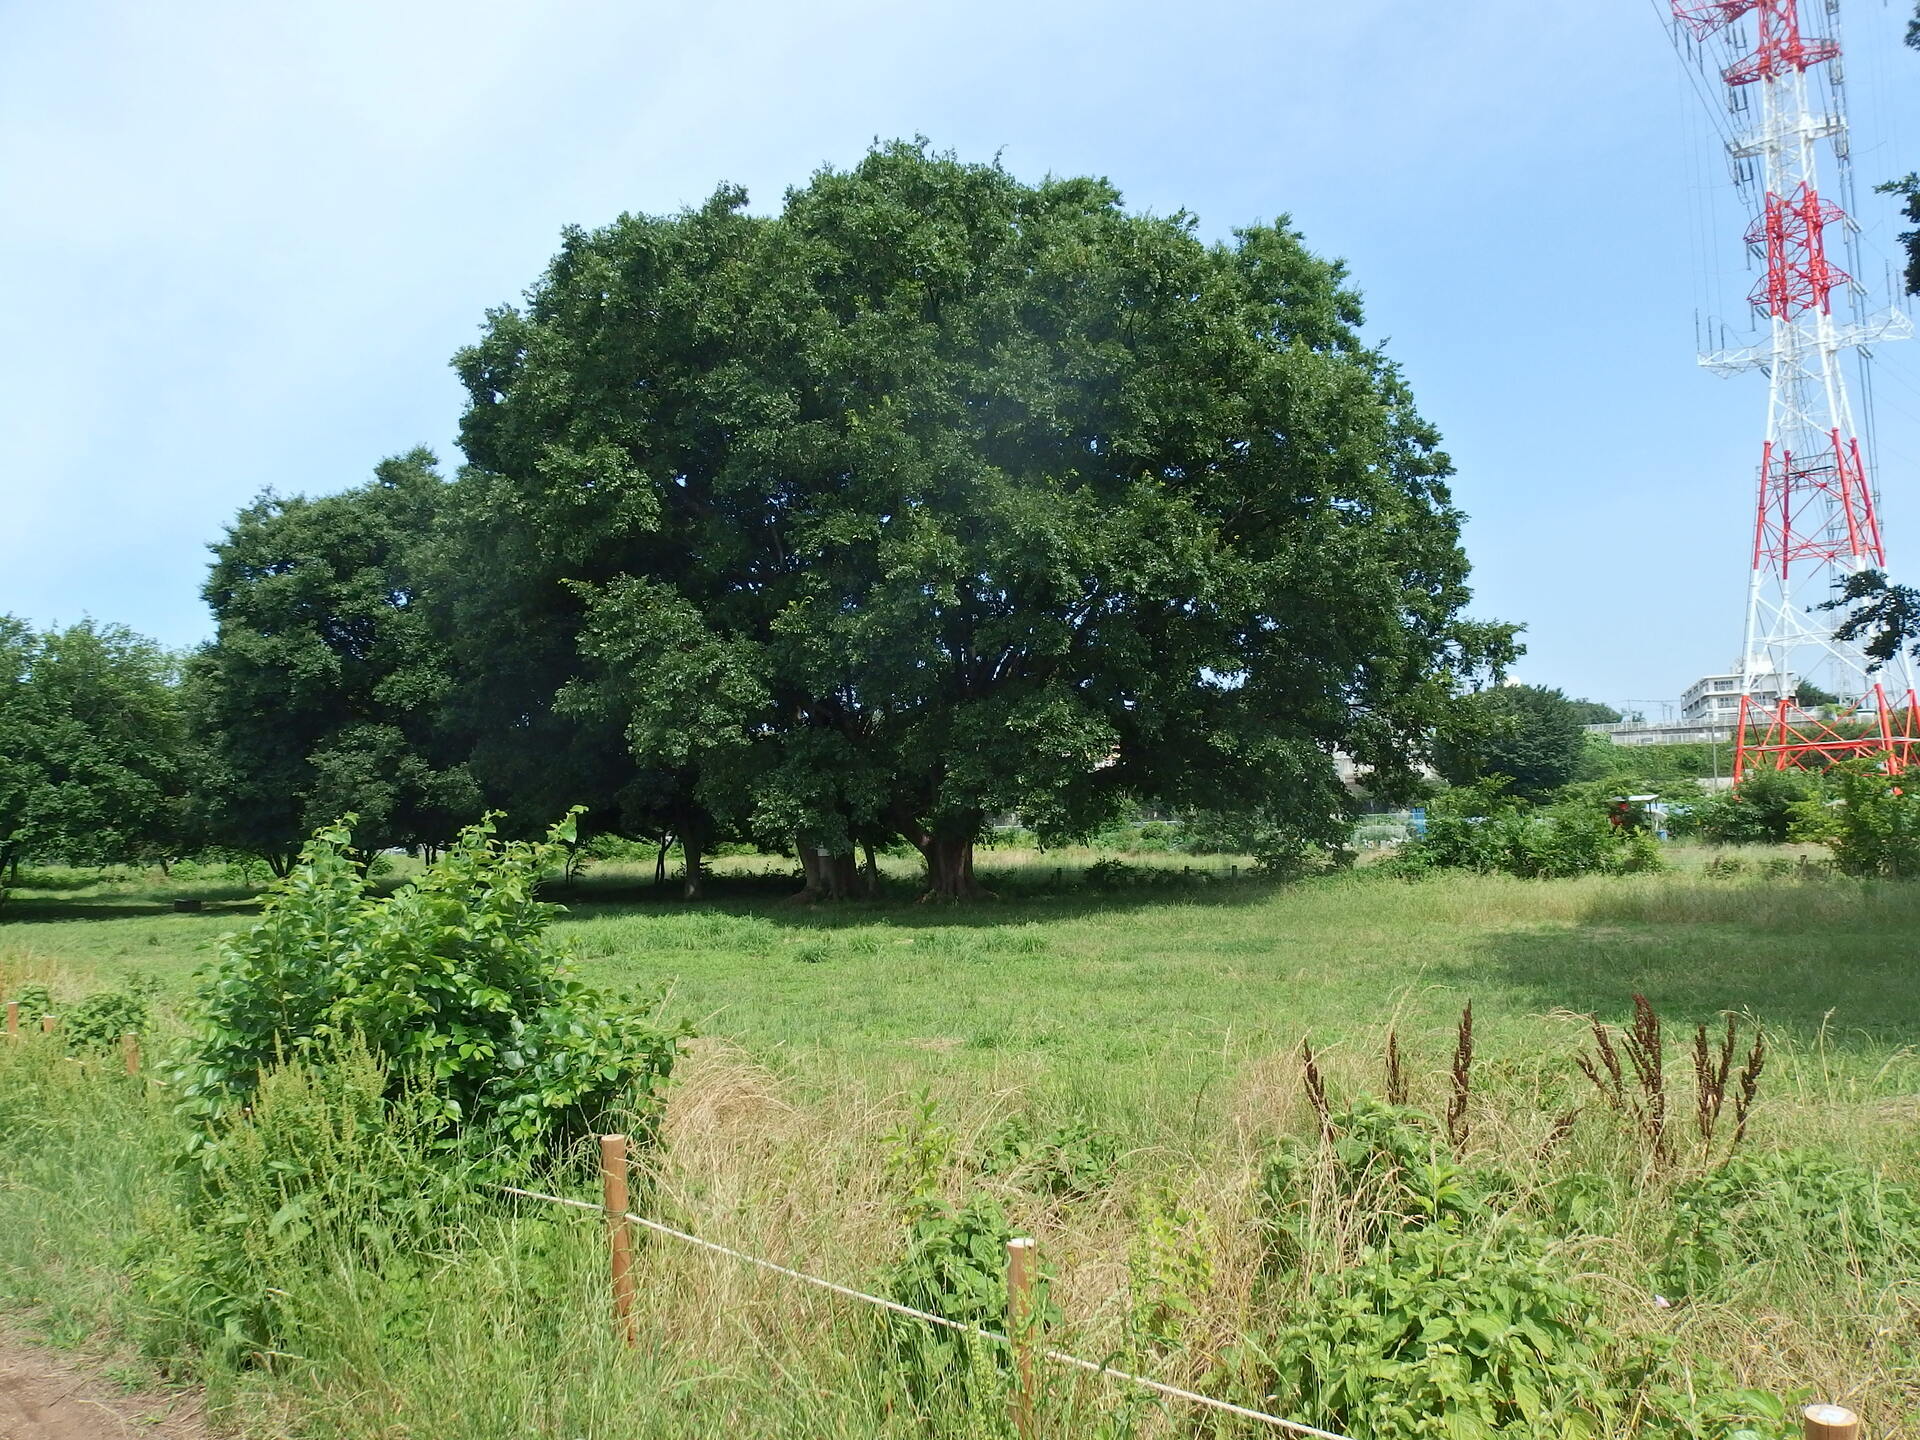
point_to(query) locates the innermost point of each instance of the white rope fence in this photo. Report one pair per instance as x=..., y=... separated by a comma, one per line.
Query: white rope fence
x=880, y=1302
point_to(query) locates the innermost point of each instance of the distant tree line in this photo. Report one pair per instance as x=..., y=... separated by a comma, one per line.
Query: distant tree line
x=933, y=497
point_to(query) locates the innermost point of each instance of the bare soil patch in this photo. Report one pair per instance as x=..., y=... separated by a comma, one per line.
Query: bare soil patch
x=45, y=1395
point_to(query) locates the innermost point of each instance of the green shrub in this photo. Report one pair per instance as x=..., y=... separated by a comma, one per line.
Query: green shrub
x=98, y=1022
x=1443, y=1334
x=1757, y=1209
x=450, y=981
x=954, y=1265
x=1378, y=1169
x=1437, y=1333
x=330, y=1170
x=1169, y=1271
x=1760, y=810
x=34, y=1000
x=1477, y=828
x=1871, y=823
x=1070, y=1159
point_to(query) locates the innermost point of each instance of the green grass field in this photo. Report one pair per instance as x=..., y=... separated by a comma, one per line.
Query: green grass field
x=1154, y=991
x=1167, y=1010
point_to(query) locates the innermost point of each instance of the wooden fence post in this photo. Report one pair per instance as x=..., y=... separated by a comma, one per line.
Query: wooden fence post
x=1020, y=1324
x=47, y=1022
x=13, y=1019
x=613, y=1193
x=130, y=1052
x=1830, y=1422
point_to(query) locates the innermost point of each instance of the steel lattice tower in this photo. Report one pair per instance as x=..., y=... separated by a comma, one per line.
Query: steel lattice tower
x=1815, y=519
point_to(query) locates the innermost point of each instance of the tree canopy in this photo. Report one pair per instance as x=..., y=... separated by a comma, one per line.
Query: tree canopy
x=939, y=495
x=323, y=690
x=92, y=747
x=1885, y=616
x=933, y=497
x=1528, y=734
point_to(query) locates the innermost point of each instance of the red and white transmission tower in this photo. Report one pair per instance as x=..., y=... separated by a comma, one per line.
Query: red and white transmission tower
x=1815, y=518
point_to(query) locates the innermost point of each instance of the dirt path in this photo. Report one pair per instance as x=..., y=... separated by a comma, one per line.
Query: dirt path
x=45, y=1395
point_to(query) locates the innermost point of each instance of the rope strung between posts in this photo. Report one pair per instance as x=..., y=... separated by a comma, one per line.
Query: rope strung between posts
x=1058, y=1357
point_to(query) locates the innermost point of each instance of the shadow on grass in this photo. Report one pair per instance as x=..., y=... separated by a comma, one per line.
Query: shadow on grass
x=39, y=910
x=1800, y=956
x=772, y=897
x=1017, y=900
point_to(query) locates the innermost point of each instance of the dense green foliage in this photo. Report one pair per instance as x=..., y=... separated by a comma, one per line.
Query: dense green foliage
x=1592, y=712
x=1480, y=828
x=1636, y=768
x=331, y=1165
x=450, y=982
x=1755, y=1209
x=1446, y=1313
x=1870, y=822
x=93, y=749
x=324, y=691
x=946, y=495
x=103, y=1019
x=1528, y=735
x=1763, y=809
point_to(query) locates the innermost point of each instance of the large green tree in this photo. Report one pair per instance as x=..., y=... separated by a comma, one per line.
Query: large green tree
x=93, y=763
x=939, y=495
x=1529, y=734
x=323, y=691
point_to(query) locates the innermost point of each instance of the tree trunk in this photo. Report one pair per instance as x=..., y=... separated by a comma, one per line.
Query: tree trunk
x=949, y=867
x=281, y=866
x=829, y=876
x=660, y=861
x=696, y=872
x=870, y=871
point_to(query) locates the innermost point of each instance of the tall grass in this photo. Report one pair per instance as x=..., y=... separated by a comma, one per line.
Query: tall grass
x=1170, y=1021
x=501, y=1326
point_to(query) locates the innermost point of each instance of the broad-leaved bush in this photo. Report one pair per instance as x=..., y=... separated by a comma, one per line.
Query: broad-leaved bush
x=1475, y=829
x=1756, y=1209
x=1868, y=820
x=451, y=982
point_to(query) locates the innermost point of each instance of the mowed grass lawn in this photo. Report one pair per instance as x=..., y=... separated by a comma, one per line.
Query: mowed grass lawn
x=1131, y=1003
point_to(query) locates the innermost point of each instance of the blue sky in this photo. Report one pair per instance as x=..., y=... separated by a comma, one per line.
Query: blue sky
x=242, y=241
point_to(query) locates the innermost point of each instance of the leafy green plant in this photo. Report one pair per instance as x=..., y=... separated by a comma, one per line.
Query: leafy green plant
x=34, y=1001
x=1870, y=822
x=1760, y=810
x=451, y=981
x=920, y=1147
x=954, y=1265
x=330, y=1167
x=1376, y=1169
x=99, y=1021
x=1437, y=1333
x=1756, y=1208
x=1442, y=1334
x=1070, y=1159
x=1169, y=1272
x=1481, y=828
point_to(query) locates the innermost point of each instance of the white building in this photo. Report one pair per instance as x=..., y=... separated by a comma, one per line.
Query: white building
x=1716, y=698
